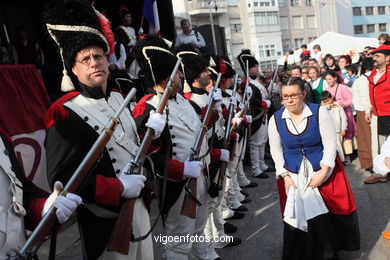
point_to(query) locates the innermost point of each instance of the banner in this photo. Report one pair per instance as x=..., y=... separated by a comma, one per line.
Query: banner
x=23, y=104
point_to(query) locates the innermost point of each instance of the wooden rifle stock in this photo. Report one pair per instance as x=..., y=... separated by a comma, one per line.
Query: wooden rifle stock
x=49, y=221
x=226, y=139
x=122, y=232
x=190, y=199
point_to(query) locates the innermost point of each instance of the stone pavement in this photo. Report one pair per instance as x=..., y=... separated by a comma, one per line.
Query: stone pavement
x=261, y=230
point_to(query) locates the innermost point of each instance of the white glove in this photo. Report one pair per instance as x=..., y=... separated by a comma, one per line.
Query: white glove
x=141, y=31
x=248, y=119
x=192, y=169
x=268, y=102
x=248, y=91
x=217, y=96
x=233, y=101
x=237, y=121
x=225, y=155
x=132, y=183
x=241, y=106
x=65, y=205
x=157, y=122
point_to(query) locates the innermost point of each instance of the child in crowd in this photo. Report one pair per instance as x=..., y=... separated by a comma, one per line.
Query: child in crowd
x=352, y=71
x=305, y=55
x=339, y=118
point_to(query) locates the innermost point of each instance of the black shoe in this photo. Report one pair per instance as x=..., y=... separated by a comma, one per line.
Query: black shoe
x=241, y=208
x=252, y=184
x=261, y=176
x=246, y=194
x=229, y=228
x=270, y=169
x=237, y=215
x=246, y=200
x=236, y=241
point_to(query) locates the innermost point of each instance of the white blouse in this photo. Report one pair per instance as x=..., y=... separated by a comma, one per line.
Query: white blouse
x=327, y=132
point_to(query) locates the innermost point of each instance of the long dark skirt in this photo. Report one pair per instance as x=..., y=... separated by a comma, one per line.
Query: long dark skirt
x=327, y=234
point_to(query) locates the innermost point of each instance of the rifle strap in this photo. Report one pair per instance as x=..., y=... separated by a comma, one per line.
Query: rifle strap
x=53, y=243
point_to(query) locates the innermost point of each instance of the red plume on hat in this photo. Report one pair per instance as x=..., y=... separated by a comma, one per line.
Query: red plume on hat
x=384, y=48
x=105, y=27
x=222, y=66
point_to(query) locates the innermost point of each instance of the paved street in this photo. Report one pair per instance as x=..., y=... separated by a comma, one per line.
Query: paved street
x=261, y=229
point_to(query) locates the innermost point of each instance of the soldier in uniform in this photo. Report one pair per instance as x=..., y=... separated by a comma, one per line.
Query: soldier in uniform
x=75, y=121
x=183, y=125
x=260, y=102
x=22, y=204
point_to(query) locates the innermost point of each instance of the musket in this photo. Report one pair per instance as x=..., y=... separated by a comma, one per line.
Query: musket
x=226, y=139
x=49, y=220
x=121, y=235
x=190, y=200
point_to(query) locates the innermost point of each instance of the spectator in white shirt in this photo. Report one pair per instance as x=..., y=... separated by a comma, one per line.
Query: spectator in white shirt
x=316, y=53
x=117, y=59
x=189, y=36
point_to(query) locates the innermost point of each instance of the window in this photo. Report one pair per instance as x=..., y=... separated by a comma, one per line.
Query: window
x=381, y=10
x=272, y=2
x=358, y=29
x=255, y=3
x=284, y=23
x=294, y=2
x=267, y=51
x=264, y=3
x=311, y=21
x=236, y=27
x=370, y=28
x=310, y=39
x=369, y=10
x=271, y=64
x=282, y=3
x=297, y=22
x=382, y=27
x=286, y=44
x=357, y=11
x=309, y=2
x=298, y=42
x=265, y=18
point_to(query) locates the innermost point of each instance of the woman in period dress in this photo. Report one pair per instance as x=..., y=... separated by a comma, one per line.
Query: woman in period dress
x=342, y=95
x=317, y=83
x=319, y=211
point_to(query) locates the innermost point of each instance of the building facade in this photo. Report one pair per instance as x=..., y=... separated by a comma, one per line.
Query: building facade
x=370, y=17
x=298, y=23
x=261, y=30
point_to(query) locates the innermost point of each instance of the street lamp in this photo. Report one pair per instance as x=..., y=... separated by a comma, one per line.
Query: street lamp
x=212, y=25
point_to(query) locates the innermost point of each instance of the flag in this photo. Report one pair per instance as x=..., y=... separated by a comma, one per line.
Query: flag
x=23, y=105
x=150, y=13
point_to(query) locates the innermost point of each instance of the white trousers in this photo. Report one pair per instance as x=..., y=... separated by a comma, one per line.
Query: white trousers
x=181, y=225
x=257, y=149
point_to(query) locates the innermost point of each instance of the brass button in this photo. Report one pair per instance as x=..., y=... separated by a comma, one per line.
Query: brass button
x=86, y=118
x=6, y=152
x=170, y=127
x=96, y=127
x=118, y=171
x=110, y=149
x=113, y=160
x=174, y=144
x=173, y=136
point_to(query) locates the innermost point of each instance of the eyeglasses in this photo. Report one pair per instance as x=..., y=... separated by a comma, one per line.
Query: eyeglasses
x=293, y=96
x=87, y=59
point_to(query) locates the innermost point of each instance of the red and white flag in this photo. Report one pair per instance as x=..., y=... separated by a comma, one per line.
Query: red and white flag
x=150, y=13
x=23, y=104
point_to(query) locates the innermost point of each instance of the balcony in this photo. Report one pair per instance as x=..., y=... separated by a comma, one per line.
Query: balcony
x=202, y=7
